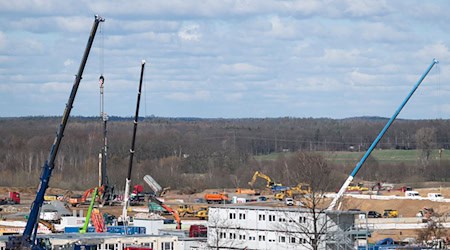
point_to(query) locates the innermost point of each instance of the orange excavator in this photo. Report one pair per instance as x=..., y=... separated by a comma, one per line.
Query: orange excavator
x=168, y=209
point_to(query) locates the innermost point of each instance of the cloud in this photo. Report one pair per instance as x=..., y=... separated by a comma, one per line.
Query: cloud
x=199, y=95
x=239, y=68
x=68, y=62
x=190, y=32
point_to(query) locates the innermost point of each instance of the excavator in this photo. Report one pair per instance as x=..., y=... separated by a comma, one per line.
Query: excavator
x=300, y=189
x=168, y=209
x=28, y=239
x=270, y=183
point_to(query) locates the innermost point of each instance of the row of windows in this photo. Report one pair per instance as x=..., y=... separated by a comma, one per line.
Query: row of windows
x=233, y=216
x=262, y=217
x=281, y=239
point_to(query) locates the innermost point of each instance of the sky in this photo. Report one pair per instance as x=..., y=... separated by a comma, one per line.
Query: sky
x=228, y=58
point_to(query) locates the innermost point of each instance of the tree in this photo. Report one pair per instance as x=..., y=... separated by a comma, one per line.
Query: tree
x=425, y=140
x=311, y=169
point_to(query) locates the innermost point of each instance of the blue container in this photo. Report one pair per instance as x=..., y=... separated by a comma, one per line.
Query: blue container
x=129, y=230
x=77, y=229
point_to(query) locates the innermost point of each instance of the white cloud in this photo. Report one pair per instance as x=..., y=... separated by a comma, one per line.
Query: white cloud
x=68, y=62
x=239, y=68
x=436, y=50
x=190, y=32
x=2, y=40
x=199, y=95
x=231, y=97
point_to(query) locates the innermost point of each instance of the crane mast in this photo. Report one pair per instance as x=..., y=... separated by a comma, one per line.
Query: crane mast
x=124, y=216
x=28, y=239
x=375, y=142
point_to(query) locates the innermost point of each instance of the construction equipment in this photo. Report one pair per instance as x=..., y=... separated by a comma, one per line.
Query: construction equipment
x=88, y=214
x=28, y=239
x=358, y=187
x=137, y=196
x=107, y=194
x=184, y=210
x=247, y=191
x=13, y=199
x=390, y=213
x=124, y=217
x=269, y=182
x=202, y=213
x=375, y=142
x=154, y=185
x=216, y=198
x=168, y=209
x=48, y=225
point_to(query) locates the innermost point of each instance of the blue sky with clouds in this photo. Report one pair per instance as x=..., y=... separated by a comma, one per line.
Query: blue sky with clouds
x=230, y=58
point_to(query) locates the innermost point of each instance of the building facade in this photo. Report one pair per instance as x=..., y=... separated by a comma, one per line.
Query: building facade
x=260, y=227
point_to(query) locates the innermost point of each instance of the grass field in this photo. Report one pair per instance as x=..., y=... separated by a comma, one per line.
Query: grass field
x=382, y=156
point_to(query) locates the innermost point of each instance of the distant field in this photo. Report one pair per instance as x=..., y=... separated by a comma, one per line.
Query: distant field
x=382, y=156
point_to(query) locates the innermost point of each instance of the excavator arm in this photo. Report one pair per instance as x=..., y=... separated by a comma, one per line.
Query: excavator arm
x=168, y=209
x=257, y=174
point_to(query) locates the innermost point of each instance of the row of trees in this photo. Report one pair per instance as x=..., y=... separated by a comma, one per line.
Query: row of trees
x=192, y=153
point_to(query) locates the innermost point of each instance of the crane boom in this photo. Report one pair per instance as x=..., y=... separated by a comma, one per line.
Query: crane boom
x=26, y=240
x=375, y=142
x=130, y=164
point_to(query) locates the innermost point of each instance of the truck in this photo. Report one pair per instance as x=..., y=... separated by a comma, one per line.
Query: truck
x=198, y=231
x=435, y=196
x=216, y=198
x=412, y=194
x=13, y=199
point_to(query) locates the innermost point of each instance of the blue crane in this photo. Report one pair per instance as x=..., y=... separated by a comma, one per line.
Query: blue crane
x=375, y=142
x=28, y=239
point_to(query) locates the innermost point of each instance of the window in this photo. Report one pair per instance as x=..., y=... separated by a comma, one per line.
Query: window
x=262, y=217
x=261, y=237
x=166, y=245
x=223, y=235
x=302, y=219
x=292, y=240
x=251, y=237
x=282, y=219
x=271, y=217
x=242, y=216
x=282, y=239
x=232, y=215
x=242, y=236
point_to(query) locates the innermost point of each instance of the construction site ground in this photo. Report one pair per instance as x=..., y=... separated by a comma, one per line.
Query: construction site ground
x=406, y=208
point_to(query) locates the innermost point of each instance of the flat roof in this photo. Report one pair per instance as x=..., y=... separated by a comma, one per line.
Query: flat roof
x=267, y=207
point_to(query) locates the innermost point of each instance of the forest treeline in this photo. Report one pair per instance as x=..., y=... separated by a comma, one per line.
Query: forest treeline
x=193, y=154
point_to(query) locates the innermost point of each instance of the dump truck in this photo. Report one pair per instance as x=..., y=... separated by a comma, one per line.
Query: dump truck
x=216, y=198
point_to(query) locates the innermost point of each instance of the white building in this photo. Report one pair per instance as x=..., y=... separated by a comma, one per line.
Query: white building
x=261, y=227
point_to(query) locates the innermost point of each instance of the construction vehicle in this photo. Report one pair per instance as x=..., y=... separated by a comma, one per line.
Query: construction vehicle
x=216, y=198
x=137, y=196
x=202, y=213
x=184, y=210
x=247, y=191
x=124, y=217
x=28, y=239
x=390, y=213
x=157, y=189
x=196, y=231
x=13, y=199
x=375, y=142
x=168, y=209
x=48, y=225
x=276, y=187
x=358, y=187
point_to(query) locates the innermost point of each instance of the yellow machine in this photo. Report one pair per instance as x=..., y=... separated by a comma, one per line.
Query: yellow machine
x=202, y=213
x=357, y=187
x=390, y=213
x=269, y=181
x=184, y=210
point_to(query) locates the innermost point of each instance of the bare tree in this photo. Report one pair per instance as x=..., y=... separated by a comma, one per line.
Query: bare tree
x=221, y=232
x=312, y=227
x=425, y=139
